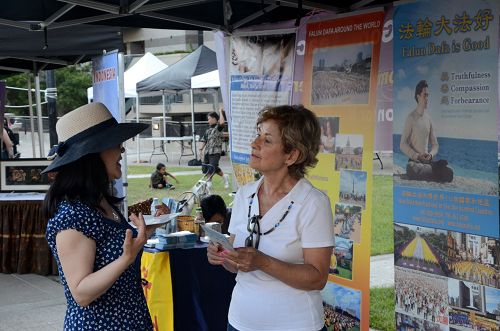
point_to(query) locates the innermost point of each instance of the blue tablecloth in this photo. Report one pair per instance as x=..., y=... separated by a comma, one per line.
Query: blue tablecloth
x=201, y=292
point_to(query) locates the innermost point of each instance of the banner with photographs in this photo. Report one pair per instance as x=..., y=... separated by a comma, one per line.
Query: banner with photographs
x=261, y=74
x=340, y=82
x=446, y=230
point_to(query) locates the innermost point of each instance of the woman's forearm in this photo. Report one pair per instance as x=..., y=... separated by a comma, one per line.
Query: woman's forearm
x=97, y=283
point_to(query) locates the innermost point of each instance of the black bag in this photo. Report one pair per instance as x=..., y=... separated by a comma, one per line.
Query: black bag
x=194, y=162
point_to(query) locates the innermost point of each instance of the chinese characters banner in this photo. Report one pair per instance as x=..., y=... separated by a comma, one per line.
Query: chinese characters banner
x=340, y=82
x=447, y=251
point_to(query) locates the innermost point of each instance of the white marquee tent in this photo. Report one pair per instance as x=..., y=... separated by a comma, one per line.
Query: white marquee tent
x=147, y=66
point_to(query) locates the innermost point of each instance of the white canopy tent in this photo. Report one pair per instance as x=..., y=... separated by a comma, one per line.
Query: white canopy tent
x=146, y=66
x=207, y=80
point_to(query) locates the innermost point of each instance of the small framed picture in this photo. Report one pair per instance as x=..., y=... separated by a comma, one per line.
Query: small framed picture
x=24, y=175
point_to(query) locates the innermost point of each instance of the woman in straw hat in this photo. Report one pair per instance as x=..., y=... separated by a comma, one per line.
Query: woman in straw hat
x=97, y=252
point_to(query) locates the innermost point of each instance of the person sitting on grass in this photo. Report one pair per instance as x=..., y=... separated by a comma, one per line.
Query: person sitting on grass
x=159, y=178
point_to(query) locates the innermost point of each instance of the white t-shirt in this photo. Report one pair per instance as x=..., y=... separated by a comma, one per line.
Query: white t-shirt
x=262, y=302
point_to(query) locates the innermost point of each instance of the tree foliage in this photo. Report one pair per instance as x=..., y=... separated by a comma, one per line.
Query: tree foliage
x=71, y=82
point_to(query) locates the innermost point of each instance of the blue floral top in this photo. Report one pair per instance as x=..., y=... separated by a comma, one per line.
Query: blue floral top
x=123, y=306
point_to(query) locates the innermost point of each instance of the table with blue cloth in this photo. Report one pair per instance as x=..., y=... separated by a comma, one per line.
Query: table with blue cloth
x=199, y=292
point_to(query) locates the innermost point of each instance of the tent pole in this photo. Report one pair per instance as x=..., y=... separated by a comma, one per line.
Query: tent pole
x=39, y=113
x=192, y=125
x=32, y=122
x=163, y=113
x=138, y=144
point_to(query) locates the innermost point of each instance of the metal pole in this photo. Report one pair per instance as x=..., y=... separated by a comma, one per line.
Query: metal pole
x=164, y=102
x=121, y=98
x=138, y=144
x=39, y=114
x=192, y=124
x=51, y=94
x=32, y=121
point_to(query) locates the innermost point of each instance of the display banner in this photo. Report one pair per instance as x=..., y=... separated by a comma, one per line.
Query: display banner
x=383, y=130
x=446, y=230
x=261, y=73
x=2, y=100
x=106, y=85
x=157, y=286
x=340, y=82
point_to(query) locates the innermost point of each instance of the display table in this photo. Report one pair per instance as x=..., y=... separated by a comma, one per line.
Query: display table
x=159, y=149
x=196, y=295
x=23, y=248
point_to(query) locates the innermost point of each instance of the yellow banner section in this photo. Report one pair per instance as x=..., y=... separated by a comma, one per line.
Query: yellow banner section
x=155, y=269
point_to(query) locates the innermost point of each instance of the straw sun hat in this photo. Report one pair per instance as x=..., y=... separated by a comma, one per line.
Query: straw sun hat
x=88, y=129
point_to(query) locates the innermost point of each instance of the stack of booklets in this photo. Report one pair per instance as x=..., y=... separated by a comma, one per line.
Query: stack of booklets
x=181, y=239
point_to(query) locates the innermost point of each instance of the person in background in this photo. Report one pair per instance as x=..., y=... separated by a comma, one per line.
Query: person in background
x=214, y=209
x=97, y=251
x=7, y=146
x=281, y=228
x=159, y=178
x=211, y=145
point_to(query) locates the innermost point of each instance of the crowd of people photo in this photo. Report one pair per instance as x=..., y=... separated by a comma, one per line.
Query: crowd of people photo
x=337, y=320
x=420, y=296
x=335, y=87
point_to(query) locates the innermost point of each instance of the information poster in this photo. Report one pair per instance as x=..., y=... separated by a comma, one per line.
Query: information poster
x=447, y=251
x=340, y=82
x=261, y=74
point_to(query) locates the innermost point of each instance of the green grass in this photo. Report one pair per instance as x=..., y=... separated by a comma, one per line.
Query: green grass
x=382, y=316
x=148, y=169
x=138, y=189
x=344, y=273
x=382, y=216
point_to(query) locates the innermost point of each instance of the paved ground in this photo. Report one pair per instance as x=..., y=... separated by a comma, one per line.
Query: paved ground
x=31, y=302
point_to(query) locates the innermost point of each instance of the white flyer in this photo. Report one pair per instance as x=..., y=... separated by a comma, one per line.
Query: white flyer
x=217, y=237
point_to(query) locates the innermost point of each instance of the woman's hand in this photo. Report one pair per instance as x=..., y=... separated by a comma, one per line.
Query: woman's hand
x=214, y=254
x=245, y=259
x=132, y=246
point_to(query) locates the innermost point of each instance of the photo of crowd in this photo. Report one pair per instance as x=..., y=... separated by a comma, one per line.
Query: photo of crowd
x=462, y=320
x=420, y=248
x=347, y=222
x=421, y=295
x=342, y=258
x=329, y=130
x=410, y=323
x=353, y=187
x=26, y=175
x=342, y=307
x=473, y=258
x=349, y=151
x=341, y=75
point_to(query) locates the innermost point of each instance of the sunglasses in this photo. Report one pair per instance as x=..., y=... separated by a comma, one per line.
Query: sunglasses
x=253, y=227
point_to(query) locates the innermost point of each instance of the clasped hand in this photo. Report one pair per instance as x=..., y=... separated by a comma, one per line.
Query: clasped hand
x=243, y=258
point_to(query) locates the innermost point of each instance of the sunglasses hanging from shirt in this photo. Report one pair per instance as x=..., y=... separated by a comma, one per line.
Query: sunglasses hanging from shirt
x=254, y=225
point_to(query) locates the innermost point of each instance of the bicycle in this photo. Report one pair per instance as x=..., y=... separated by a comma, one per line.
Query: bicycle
x=201, y=189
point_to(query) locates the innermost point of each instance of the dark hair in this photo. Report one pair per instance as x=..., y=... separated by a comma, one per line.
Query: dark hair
x=159, y=166
x=214, y=115
x=300, y=130
x=212, y=205
x=85, y=180
x=420, y=86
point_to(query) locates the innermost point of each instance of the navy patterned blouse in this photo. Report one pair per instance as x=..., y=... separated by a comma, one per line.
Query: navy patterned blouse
x=123, y=306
